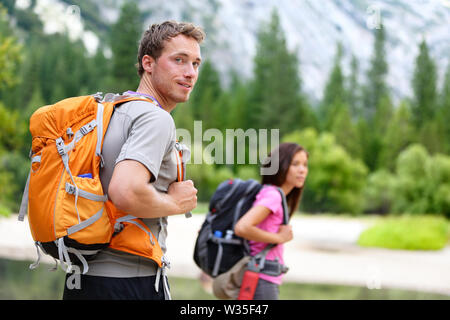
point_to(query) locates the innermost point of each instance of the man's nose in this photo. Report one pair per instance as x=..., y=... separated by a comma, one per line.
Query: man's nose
x=190, y=71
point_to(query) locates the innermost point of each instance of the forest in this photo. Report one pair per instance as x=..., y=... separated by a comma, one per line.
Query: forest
x=367, y=153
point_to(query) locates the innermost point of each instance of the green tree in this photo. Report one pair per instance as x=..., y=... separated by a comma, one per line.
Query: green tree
x=370, y=143
x=377, y=107
x=335, y=181
x=424, y=84
x=344, y=130
x=334, y=94
x=399, y=134
x=10, y=52
x=375, y=87
x=125, y=35
x=275, y=100
x=99, y=73
x=237, y=110
x=11, y=139
x=353, y=89
x=425, y=103
x=206, y=93
x=443, y=115
x=183, y=118
x=422, y=182
x=63, y=68
x=378, y=142
x=379, y=192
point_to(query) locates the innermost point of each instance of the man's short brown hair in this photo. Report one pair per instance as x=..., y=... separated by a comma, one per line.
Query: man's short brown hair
x=152, y=42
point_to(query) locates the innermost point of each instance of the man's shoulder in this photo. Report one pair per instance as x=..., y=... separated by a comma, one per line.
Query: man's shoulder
x=142, y=108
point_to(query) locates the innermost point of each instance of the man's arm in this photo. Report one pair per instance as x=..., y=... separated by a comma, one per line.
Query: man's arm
x=130, y=191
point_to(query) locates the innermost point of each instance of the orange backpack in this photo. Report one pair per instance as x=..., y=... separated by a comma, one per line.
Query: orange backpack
x=70, y=216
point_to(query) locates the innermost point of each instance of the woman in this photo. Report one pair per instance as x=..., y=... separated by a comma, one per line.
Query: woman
x=262, y=224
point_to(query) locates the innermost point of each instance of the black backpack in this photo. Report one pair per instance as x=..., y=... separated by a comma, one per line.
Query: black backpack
x=217, y=248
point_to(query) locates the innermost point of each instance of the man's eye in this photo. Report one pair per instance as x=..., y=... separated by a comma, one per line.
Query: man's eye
x=178, y=59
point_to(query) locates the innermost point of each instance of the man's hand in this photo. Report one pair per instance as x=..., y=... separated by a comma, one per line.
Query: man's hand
x=184, y=195
x=131, y=192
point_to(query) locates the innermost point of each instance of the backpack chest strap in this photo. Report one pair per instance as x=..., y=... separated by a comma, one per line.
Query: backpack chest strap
x=84, y=130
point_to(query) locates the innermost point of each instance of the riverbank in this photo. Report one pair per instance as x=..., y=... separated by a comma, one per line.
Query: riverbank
x=324, y=250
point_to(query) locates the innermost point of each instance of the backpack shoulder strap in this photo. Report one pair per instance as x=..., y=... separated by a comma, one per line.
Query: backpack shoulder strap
x=116, y=98
x=284, y=204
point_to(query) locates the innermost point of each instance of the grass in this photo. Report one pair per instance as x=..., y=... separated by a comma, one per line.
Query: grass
x=408, y=232
x=202, y=207
x=4, y=211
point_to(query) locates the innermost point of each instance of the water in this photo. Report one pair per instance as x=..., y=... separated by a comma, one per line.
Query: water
x=18, y=282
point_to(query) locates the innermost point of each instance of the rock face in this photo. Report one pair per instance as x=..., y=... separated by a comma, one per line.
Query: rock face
x=312, y=29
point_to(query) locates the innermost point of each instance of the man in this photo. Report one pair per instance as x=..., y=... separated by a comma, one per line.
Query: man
x=140, y=172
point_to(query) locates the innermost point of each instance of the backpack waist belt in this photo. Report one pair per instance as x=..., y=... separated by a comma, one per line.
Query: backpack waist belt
x=269, y=267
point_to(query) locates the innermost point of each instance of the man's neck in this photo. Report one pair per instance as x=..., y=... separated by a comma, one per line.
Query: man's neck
x=146, y=87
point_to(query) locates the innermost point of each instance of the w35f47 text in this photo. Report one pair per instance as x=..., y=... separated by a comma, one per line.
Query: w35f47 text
x=228, y=309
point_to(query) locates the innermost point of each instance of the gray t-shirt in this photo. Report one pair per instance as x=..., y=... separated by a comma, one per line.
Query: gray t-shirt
x=139, y=131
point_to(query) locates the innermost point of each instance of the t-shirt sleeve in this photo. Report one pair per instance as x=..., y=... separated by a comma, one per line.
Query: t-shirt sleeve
x=149, y=138
x=270, y=198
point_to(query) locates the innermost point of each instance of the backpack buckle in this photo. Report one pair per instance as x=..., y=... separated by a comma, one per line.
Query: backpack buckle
x=98, y=96
x=69, y=133
x=60, y=146
x=84, y=130
x=70, y=189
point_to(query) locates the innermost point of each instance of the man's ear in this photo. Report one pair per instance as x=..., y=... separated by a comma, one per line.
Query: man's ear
x=147, y=63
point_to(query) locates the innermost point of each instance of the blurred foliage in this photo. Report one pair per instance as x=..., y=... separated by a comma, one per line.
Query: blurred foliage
x=367, y=153
x=9, y=52
x=407, y=233
x=422, y=182
x=378, y=193
x=335, y=180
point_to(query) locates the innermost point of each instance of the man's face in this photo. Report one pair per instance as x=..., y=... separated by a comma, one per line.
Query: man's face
x=175, y=72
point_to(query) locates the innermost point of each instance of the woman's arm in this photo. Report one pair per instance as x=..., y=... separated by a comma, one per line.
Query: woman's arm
x=247, y=228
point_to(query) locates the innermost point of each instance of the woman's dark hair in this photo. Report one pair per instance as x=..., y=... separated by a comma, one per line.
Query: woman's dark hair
x=285, y=153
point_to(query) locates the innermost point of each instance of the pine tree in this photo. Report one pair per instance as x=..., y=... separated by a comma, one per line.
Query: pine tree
x=206, y=92
x=382, y=116
x=424, y=84
x=344, y=130
x=399, y=134
x=375, y=87
x=125, y=35
x=98, y=72
x=234, y=106
x=334, y=94
x=353, y=89
x=275, y=100
x=444, y=110
x=377, y=107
